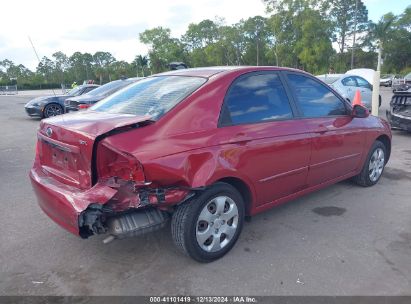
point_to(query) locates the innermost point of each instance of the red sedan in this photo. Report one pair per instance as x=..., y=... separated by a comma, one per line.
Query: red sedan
x=206, y=147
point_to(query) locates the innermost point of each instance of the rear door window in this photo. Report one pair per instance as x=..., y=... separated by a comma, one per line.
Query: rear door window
x=362, y=83
x=349, y=82
x=315, y=99
x=254, y=98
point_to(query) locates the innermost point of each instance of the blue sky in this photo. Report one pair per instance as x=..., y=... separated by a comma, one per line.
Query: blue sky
x=377, y=8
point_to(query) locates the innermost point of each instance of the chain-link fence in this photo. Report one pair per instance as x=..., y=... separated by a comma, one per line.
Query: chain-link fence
x=8, y=90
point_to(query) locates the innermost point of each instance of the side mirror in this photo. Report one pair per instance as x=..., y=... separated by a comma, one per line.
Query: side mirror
x=359, y=111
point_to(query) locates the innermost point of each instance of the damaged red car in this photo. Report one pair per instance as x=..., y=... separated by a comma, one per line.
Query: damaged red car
x=205, y=147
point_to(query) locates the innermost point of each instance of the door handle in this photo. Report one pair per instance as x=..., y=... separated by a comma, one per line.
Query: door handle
x=241, y=138
x=321, y=130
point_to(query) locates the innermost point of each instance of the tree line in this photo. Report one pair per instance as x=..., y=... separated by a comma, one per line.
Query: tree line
x=314, y=35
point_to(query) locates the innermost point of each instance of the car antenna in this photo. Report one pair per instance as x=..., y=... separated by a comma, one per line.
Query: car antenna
x=38, y=58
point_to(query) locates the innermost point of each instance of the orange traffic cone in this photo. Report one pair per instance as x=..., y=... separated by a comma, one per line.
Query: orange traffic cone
x=357, y=99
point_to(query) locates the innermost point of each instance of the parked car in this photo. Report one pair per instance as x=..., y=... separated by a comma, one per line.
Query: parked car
x=177, y=65
x=367, y=74
x=401, y=84
x=399, y=114
x=87, y=100
x=347, y=86
x=48, y=106
x=207, y=146
x=386, y=80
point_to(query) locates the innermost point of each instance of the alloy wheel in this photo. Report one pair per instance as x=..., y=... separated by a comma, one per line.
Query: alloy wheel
x=376, y=164
x=53, y=110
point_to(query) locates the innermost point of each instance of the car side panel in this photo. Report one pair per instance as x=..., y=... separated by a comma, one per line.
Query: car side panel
x=186, y=149
x=338, y=145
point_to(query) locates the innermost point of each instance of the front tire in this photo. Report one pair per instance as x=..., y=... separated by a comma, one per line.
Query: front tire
x=52, y=109
x=373, y=166
x=208, y=226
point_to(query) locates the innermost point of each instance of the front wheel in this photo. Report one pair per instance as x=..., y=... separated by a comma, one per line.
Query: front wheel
x=207, y=227
x=373, y=166
x=52, y=109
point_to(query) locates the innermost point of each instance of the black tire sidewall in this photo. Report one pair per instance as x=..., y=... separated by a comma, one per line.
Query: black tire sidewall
x=192, y=246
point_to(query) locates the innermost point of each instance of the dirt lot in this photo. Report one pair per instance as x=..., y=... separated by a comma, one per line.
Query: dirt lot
x=343, y=240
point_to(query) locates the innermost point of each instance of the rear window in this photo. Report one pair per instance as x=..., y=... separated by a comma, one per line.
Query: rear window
x=153, y=96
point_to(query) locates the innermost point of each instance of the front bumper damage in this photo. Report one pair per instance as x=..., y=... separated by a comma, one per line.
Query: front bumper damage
x=115, y=207
x=399, y=115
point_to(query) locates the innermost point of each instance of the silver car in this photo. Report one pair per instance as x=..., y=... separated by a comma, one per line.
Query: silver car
x=347, y=85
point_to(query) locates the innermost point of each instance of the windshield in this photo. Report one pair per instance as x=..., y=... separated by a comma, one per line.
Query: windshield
x=117, y=84
x=328, y=79
x=152, y=96
x=76, y=91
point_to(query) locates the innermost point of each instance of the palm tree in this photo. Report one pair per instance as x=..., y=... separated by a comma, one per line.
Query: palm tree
x=141, y=61
x=380, y=32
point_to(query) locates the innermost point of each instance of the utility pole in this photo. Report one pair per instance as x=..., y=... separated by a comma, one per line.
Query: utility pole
x=355, y=32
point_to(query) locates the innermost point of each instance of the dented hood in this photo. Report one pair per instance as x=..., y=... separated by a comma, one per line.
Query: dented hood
x=94, y=123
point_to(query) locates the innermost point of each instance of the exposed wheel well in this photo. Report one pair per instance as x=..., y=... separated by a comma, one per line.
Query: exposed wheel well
x=241, y=187
x=387, y=143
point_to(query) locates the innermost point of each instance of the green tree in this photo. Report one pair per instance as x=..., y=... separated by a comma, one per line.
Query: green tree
x=101, y=63
x=314, y=47
x=302, y=35
x=140, y=62
x=163, y=48
x=346, y=19
x=61, y=65
x=45, y=67
x=397, y=45
x=257, y=33
x=200, y=35
x=380, y=33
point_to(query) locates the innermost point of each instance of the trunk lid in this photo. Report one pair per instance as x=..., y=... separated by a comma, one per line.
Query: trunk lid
x=66, y=142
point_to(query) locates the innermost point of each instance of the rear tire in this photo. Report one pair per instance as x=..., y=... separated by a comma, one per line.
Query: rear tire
x=373, y=166
x=208, y=226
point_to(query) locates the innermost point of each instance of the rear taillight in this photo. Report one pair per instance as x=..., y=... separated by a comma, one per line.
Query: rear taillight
x=83, y=106
x=114, y=163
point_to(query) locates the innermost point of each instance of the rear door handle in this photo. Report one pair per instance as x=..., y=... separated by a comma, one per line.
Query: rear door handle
x=241, y=138
x=321, y=130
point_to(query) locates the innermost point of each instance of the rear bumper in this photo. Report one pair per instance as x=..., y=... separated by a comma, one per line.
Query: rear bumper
x=399, y=121
x=63, y=203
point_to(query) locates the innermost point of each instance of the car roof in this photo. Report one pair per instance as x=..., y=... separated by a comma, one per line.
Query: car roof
x=367, y=74
x=211, y=71
x=330, y=75
x=89, y=85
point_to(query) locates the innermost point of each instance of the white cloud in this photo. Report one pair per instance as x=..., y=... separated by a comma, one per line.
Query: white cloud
x=112, y=26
